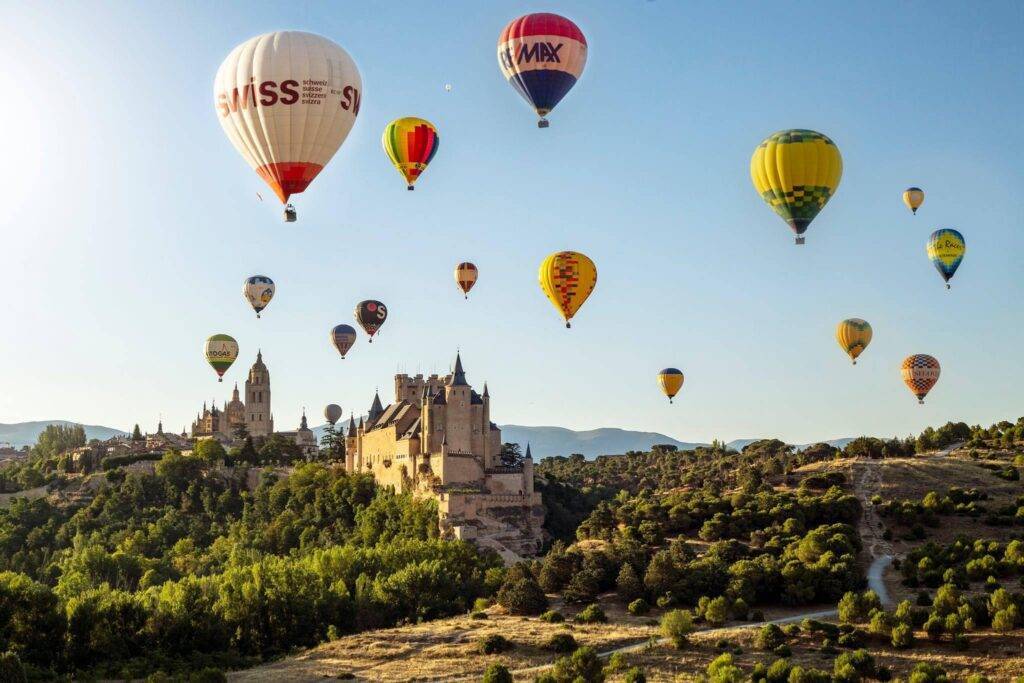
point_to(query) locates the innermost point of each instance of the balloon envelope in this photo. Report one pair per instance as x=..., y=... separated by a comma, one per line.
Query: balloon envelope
x=796, y=172
x=411, y=144
x=913, y=197
x=332, y=413
x=258, y=290
x=370, y=315
x=542, y=56
x=853, y=335
x=465, y=276
x=671, y=381
x=946, y=249
x=220, y=350
x=920, y=373
x=567, y=278
x=343, y=337
x=287, y=100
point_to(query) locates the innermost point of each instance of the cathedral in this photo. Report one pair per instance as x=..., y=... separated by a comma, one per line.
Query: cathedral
x=254, y=414
x=437, y=440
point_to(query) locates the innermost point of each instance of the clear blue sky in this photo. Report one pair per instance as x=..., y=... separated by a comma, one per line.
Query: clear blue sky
x=130, y=221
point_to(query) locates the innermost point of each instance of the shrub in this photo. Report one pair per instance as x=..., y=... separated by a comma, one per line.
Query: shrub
x=208, y=675
x=798, y=674
x=591, y=614
x=497, y=673
x=677, y=625
x=628, y=584
x=926, y=672
x=902, y=636
x=561, y=643
x=724, y=670
x=639, y=607
x=1006, y=619
x=494, y=644
x=480, y=604
x=634, y=675
x=474, y=615
x=552, y=617
x=582, y=665
x=778, y=672
x=854, y=666
x=783, y=651
x=717, y=611
x=770, y=637
x=522, y=596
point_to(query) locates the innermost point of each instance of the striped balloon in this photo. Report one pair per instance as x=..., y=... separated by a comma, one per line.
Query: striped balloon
x=465, y=276
x=946, y=249
x=920, y=373
x=411, y=144
x=220, y=350
x=542, y=56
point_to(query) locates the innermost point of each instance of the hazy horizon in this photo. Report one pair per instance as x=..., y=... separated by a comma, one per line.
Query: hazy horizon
x=131, y=222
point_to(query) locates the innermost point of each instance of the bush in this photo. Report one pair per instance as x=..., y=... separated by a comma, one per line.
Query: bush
x=208, y=675
x=798, y=674
x=852, y=667
x=494, y=644
x=639, y=607
x=628, y=584
x=582, y=665
x=677, y=625
x=717, y=611
x=480, y=604
x=522, y=596
x=926, y=672
x=591, y=614
x=497, y=673
x=561, y=643
x=552, y=617
x=1006, y=619
x=474, y=615
x=770, y=637
x=634, y=675
x=11, y=668
x=724, y=670
x=783, y=651
x=902, y=636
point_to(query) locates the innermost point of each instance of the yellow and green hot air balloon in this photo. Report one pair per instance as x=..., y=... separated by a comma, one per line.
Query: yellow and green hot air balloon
x=671, y=381
x=567, y=278
x=411, y=144
x=853, y=335
x=796, y=172
x=221, y=350
x=913, y=197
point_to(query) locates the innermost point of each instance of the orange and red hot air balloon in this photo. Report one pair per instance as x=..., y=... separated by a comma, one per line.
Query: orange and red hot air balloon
x=920, y=373
x=465, y=276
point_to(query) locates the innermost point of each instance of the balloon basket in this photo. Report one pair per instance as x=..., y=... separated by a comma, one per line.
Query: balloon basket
x=410, y=188
x=543, y=123
x=800, y=239
x=949, y=286
x=568, y=326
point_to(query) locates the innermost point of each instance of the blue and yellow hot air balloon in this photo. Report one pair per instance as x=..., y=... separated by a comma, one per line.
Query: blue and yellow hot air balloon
x=671, y=381
x=946, y=248
x=411, y=144
x=542, y=56
x=796, y=172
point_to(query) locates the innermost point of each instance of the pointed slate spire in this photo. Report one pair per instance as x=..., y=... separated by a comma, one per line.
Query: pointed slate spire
x=303, y=424
x=352, y=425
x=528, y=455
x=486, y=394
x=376, y=408
x=459, y=376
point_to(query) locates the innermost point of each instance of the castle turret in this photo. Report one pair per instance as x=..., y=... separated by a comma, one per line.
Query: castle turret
x=375, y=410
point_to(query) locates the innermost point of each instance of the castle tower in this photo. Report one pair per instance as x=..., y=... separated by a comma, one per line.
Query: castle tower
x=458, y=423
x=258, y=418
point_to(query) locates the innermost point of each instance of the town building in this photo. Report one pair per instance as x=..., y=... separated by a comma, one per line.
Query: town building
x=437, y=440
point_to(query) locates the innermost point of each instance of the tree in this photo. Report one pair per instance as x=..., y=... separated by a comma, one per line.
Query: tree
x=240, y=432
x=497, y=673
x=628, y=584
x=582, y=665
x=332, y=444
x=770, y=637
x=209, y=451
x=523, y=596
x=136, y=433
x=677, y=625
x=717, y=611
x=511, y=455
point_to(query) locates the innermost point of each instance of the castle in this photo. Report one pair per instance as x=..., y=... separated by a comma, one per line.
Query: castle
x=437, y=440
x=254, y=414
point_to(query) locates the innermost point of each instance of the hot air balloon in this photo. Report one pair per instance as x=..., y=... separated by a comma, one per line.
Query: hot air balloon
x=287, y=100
x=567, y=278
x=343, y=337
x=671, y=381
x=371, y=315
x=542, y=56
x=465, y=277
x=946, y=249
x=259, y=290
x=221, y=351
x=853, y=335
x=913, y=197
x=796, y=172
x=920, y=373
x=410, y=143
x=332, y=413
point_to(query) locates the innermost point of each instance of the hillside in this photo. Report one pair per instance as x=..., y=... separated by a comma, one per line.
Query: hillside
x=20, y=434
x=550, y=441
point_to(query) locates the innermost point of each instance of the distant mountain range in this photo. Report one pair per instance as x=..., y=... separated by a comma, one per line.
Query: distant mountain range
x=544, y=441
x=27, y=433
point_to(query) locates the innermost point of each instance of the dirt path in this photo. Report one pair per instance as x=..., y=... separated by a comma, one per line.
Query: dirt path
x=866, y=483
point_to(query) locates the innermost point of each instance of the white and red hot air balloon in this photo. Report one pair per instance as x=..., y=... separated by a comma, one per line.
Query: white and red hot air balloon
x=287, y=100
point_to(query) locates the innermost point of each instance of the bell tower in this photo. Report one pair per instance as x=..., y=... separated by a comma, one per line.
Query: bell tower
x=258, y=418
